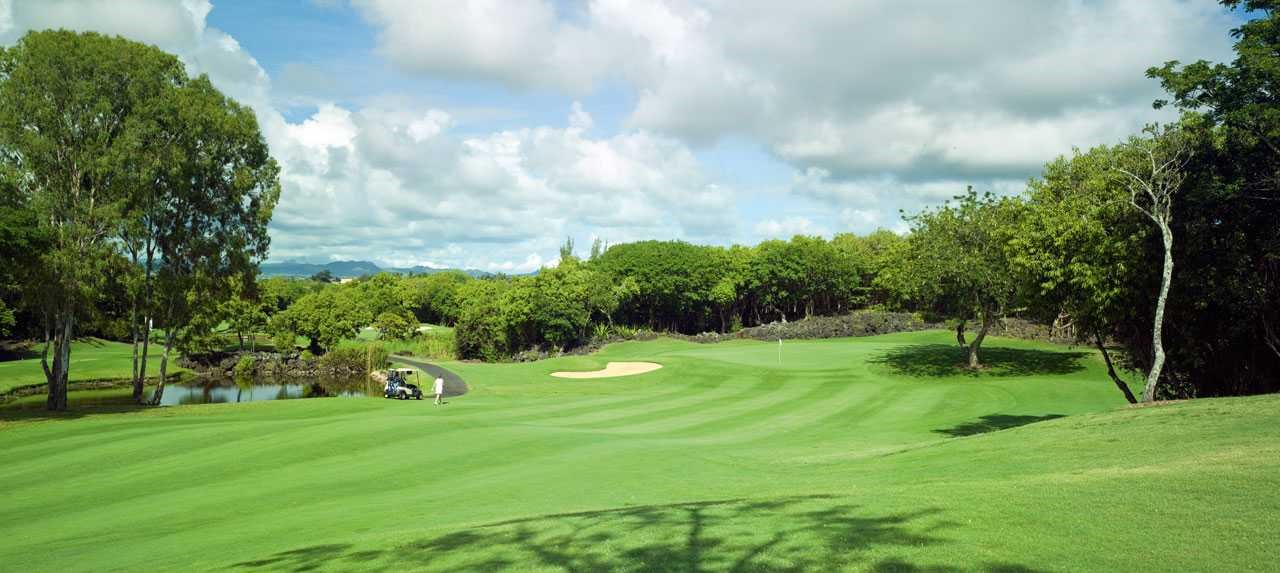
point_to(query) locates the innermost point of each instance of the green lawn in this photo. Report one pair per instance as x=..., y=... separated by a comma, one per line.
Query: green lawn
x=91, y=359
x=861, y=454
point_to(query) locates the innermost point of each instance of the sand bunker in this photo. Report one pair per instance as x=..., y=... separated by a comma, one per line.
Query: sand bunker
x=613, y=369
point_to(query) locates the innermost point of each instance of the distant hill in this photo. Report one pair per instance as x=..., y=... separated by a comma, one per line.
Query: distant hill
x=349, y=269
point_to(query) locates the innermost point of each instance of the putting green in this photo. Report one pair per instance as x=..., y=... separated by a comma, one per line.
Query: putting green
x=863, y=454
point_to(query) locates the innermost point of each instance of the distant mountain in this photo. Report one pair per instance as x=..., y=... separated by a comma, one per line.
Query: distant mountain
x=349, y=269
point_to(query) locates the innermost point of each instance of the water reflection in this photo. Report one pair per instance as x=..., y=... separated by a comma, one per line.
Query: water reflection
x=247, y=390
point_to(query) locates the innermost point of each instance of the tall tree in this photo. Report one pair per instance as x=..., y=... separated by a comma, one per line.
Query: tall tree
x=66, y=100
x=1154, y=170
x=219, y=194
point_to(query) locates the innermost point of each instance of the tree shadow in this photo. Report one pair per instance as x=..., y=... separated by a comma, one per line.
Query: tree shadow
x=993, y=422
x=944, y=360
x=85, y=399
x=893, y=565
x=815, y=532
x=313, y=557
x=18, y=350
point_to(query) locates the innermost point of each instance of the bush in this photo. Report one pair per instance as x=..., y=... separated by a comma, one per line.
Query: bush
x=283, y=340
x=355, y=358
x=244, y=368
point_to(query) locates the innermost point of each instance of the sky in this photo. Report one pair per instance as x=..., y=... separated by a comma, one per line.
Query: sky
x=482, y=133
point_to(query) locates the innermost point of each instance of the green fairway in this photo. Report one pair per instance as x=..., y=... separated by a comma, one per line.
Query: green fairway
x=864, y=454
x=91, y=359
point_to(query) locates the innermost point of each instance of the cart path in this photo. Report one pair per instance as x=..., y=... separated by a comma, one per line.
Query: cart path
x=453, y=384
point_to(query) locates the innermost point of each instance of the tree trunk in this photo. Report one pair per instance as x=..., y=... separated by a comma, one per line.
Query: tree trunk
x=960, y=334
x=138, y=384
x=56, y=377
x=1157, y=339
x=1111, y=371
x=987, y=318
x=140, y=376
x=164, y=367
x=133, y=335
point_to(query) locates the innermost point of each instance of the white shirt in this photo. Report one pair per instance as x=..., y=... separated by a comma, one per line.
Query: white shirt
x=439, y=386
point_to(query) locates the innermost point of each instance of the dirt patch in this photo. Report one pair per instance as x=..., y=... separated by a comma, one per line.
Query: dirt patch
x=612, y=370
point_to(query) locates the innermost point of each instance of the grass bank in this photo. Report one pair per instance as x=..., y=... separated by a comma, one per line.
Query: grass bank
x=91, y=359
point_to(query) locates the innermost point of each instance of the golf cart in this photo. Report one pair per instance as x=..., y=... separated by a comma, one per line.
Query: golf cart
x=398, y=385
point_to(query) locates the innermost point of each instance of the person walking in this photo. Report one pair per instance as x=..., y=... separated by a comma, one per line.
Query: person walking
x=438, y=388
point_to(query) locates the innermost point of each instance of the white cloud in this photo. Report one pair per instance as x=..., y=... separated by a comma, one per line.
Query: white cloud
x=877, y=106
x=399, y=184
x=912, y=89
x=787, y=227
x=531, y=263
x=519, y=42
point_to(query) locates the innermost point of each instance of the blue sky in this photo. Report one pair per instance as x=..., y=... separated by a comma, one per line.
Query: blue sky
x=480, y=133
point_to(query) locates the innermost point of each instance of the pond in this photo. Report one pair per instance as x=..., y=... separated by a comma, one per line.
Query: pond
x=219, y=391
x=204, y=391
x=117, y=396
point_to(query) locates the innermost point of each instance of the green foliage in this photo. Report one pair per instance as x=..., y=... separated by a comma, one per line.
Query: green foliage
x=481, y=331
x=244, y=316
x=69, y=119
x=279, y=293
x=325, y=317
x=6, y=319
x=244, y=368
x=671, y=282
x=433, y=298
x=20, y=237
x=954, y=262
x=396, y=326
x=869, y=257
x=283, y=340
x=1080, y=249
x=436, y=344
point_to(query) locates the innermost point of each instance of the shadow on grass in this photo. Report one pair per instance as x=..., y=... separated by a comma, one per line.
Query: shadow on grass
x=944, y=360
x=992, y=423
x=18, y=350
x=782, y=534
x=84, y=398
x=114, y=400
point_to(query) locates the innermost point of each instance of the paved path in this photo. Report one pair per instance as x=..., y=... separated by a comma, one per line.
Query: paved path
x=453, y=384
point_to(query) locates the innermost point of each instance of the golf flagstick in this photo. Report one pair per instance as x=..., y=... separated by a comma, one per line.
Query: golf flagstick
x=779, y=351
